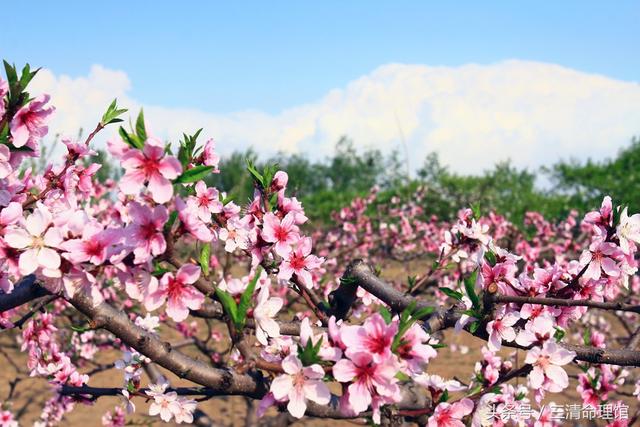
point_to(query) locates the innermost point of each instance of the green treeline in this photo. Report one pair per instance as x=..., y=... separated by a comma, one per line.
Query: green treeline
x=326, y=185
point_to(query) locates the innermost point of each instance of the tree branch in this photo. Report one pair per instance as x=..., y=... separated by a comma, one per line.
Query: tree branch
x=443, y=319
x=616, y=306
x=26, y=290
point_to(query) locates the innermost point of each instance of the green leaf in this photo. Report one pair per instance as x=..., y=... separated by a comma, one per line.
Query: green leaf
x=24, y=148
x=194, y=174
x=12, y=75
x=172, y=219
x=26, y=76
x=473, y=327
x=438, y=345
x=112, y=113
x=385, y=313
x=586, y=336
x=245, y=298
x=401, y=376
x=205, y=256
x=187, y=150
x=308, y=354
x=80, y=329
x=407, y=318
x=451, y=293
x=475, y=207
x=141, y=131
x=131, y=139
x=159, y=270
x=422, y=313
x=228, y=304
x=491, y=258
x=475, y=390
x=445, y=396
x=257, y=176
x=411, y=281
x=470, y=287
x=559, y=334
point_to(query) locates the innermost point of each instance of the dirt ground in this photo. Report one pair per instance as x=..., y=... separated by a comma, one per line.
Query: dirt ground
x=30, y=394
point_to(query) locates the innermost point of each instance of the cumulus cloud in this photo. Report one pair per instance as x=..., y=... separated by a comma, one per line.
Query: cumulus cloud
x=472, y=115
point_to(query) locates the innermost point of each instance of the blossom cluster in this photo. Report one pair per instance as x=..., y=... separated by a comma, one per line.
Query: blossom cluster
x=163, y=244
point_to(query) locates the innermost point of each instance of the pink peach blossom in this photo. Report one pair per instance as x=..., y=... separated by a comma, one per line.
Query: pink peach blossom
x=205, y=202
x=299, y=384
x=501, y=329
x=28, y=124
x=5, y=157
x=547, y=364
x=38, y=240
x=150, y=165
x=368, y=379
x=264, y=313
x=300, y=262
x=144, y=234
x=451, y=414
x=177, y=291
x=283, y=232
x=374, y=337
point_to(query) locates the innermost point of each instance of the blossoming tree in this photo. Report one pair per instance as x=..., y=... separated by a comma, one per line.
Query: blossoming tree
x=312, y=329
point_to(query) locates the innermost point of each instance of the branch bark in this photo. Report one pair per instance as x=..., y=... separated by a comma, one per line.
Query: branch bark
x=25, y=291
x=362, y=276
x=615, y=306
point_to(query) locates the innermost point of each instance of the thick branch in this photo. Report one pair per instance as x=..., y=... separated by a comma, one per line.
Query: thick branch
x=410, y=400
x=616, y=306
x=214, y=311
x=358, y=273
x=25, y=291
x=441, y=319
x=115, y=391
x=118, y=323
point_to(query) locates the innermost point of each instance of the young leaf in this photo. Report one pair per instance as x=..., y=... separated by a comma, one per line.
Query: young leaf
x=476, y=210
x=245, y=298
x=130, y=139
x=229, y=305
x=386, y=314
x=257, y=176
x=309, y=353
x=112, y=113
x=477, y=389
x=451, y=293
x=172, y=219
x=474, y=327
x=205, y=255
x=141, y=131
x=12, y=75
x=194, y=174
x=411, y=281
x=401, y=376
x=26, y=76
x=470, y=287
x=491, y=258
x=423, y=312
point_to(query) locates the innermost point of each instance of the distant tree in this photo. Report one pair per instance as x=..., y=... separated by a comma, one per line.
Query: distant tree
x=505, y=189
x=586, y=183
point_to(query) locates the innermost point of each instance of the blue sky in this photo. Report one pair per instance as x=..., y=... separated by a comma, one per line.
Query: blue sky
x=476, y=82
x=228, y=56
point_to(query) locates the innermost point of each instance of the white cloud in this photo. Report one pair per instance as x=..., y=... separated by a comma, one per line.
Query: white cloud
x=472, y=115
